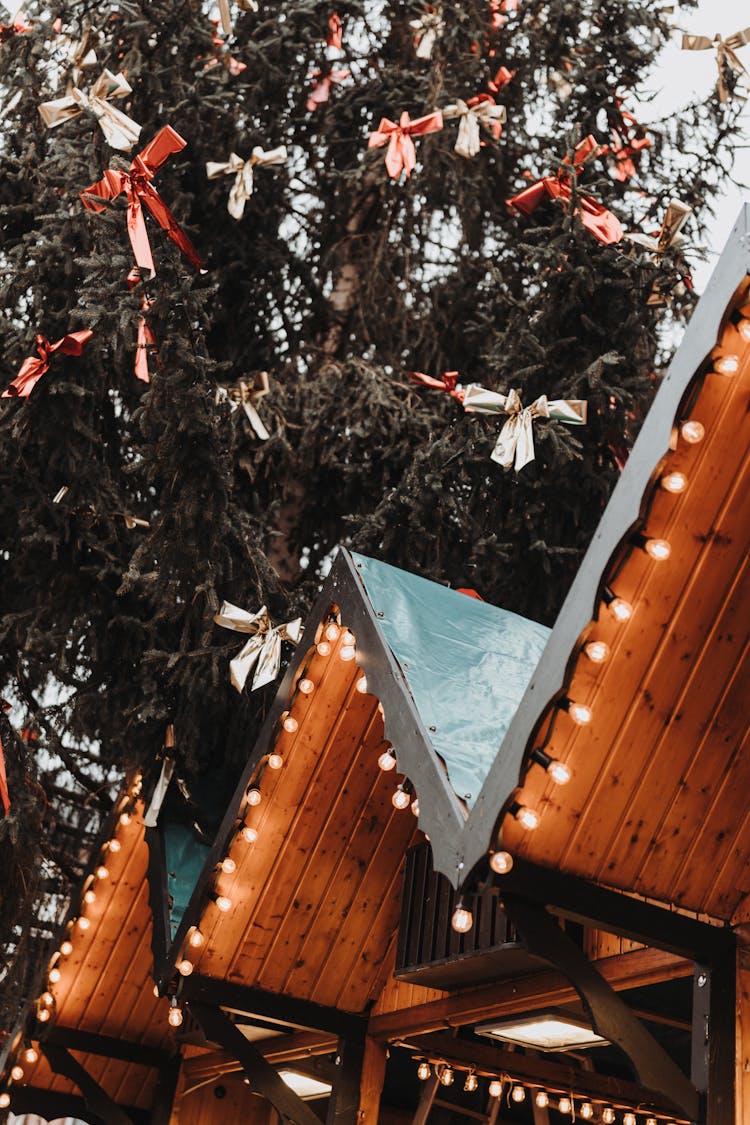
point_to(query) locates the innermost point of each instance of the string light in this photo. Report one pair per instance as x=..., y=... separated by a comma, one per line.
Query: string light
x=16, y=1073
x=84, y=923
x=54, y=975
x=89, y=896
x=579, y=712
x=30, y=1056
x=744, y=329
x=727, y=365
x=586, y=1110
x=348, y=638
x=558, y=771
x=254, y=796
x=324, y=649
x=47, y=999
x=290, y=724
x=501, y=862
x=275, y=761
x=347, y=652
x=564, y=1105
x=227, y=865
x=125, y=819
x=114, y=845
x=102, y=872
x=175, y=1014
x=462, y=919
x=362, y=685
x=446, y=1076
x=658, y=549
x=249, y=835
x=608, y=1115
x=651, y=1121
x=66, y=948
x=415, y=806
x=223, y=903
x=471, y=1082
x=526, y=817
x=674, y=482
x=541, y=1098
x=387, y=760
x=43, y=1015
x=401, y=798
x=332, y=632
x=185, y=968
x=618, y=607
x=4, y=1100
x=629, y=1119
x=692, y=431
x=518, y=1094
x=424, y=1071
x=196, y=939
x=495, y=1088
x=307, y=687
x=597, y=651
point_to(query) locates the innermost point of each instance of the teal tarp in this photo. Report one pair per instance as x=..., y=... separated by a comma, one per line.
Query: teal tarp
x=467, y=663
x=185, y=857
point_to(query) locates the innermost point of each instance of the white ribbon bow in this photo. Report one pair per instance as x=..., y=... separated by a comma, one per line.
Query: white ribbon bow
x=120, y=130
x=242, y=170
x=515, y=445
x=470, y=118
x=427, y=29
x=676, y=216
x=263, y=649
x=246, y=396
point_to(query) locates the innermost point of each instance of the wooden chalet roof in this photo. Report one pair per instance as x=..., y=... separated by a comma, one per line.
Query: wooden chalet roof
x=656, y=804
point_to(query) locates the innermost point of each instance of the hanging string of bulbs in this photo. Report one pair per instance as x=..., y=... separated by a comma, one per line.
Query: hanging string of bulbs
x=517, y=1091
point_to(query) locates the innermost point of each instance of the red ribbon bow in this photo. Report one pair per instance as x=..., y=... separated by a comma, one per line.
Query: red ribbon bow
x=4, y=791
x=146, y=341
x=321, y=90
x=595, y=217
x=501, y=78
x=136, y=183
x=447, y=383
x=401, y=155
x=18, y=27
x=33, y=368
x=335, y=37
x=498, y=8
x=627, y=141
x=223, y=55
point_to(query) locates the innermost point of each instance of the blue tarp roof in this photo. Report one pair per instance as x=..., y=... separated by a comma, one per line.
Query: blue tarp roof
x=467, y=663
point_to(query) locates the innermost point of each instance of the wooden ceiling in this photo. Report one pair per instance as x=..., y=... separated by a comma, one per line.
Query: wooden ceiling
x=657, y=801
x=316, y=898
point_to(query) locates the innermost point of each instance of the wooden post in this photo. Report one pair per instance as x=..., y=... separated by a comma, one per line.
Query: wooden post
x=742, y=1109
x=166, y=1088
x=343, y=1104
x=429, y=1090
x=371, y=1085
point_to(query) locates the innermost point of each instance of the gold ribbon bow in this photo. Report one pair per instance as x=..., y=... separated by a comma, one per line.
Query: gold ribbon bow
x=242, y=170
x=515, y=445
x=226, y=18
x=246, y=396
x=669, y=236
x=81, y=52
x=120, y=130
x=725, y=54
x=427, y=30
x=481, y=110
x=263, y=649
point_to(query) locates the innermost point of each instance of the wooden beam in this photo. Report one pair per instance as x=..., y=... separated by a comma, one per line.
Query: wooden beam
x=93, y=1043
x=426, y=1099
x=97, y=1100
x=373, y=1076
x=52, y=1105
x=263, y=1077
x=343, y=1105
x=610, y=1016
x=552, y=1074
x=540, y=990
x=286, y=1010
x=166, y=1088
x=721, y=982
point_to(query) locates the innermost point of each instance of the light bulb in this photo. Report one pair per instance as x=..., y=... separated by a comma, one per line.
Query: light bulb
x=43, y=1015
x=196, y=939
x=527, y=817
x=324, y=649
x=620, y=609
x=586, y=1110
x=249, y=835
x=692, y=432
x=727, y=365
x=102, y=872
x=114, y=845
x=541, y=1098
x=290, y=724
x=348, y=638
x=658, y=549
x=125, y=819
x=608, y=1115
x=446, y=1076
x=471, y=1082
x=66, y=948
x=89, y=896
x=332, y=632
x=4, y=1100
x=400, y=799
x=518, y=1094
x=744, y=329
x=155, y=991
x=227, y=865
x=84, y=923
x=462, y=920
x=597, y=651
x=362, y=685
x=580, y=713
x=501, y=862
x=564, y=1105
x=253, y=796
x=175, y=1016
x=629, y=1119
x=47, y=999
x=185, y=968
x=275, y=761
x=415, y=806
x=54, y=975
x=16, y=1073
x=674, y=482
x=423, y=1071
x=223, y=903
x=387, y=760
x=651, y=1121
x=30, y=1056
x=559, y=772
x=306, y=687
x=495, y=1088
x=347, y=652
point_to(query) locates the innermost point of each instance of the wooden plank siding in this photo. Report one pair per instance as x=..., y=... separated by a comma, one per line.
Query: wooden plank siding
x=655, y=772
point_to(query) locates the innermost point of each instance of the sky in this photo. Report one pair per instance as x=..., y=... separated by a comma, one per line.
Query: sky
x=684, y=74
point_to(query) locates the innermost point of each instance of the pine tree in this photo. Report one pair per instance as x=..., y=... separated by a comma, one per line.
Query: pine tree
x=336, y=282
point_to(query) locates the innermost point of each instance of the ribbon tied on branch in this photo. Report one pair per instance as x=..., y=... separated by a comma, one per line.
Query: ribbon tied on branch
x=726, y=56
x=34, y=367
x=600, y=222
x=321, y=90
x=225, y=14
x=669, y=237
x=628, y=140
x=401, y=155
x=248, y=395
x=17, y=26
x=262, y=652
x=223, y=55
x=427, y=30
x=138, y=189
x=481, y=110
x=242, y=170
x=120, y=131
